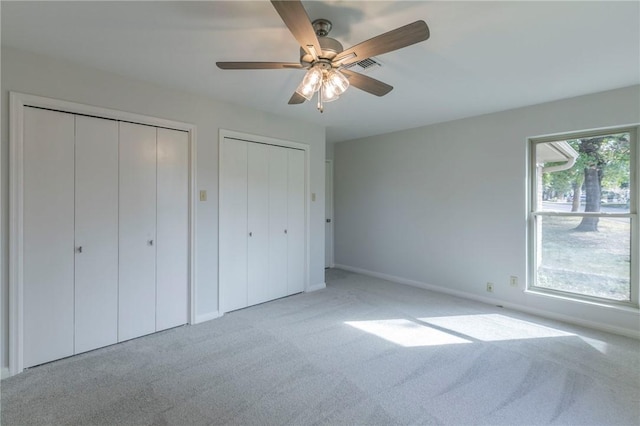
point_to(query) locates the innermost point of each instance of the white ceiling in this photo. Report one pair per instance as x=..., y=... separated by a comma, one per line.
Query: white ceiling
x=482, y=56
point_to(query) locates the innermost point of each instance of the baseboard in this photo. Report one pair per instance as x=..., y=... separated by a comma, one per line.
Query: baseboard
x=492, y=301
x=207, y=317
x=4, y=373
x=316, y=287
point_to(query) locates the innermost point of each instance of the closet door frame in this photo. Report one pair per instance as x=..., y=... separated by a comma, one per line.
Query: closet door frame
x=247, y=137
x=17, y=103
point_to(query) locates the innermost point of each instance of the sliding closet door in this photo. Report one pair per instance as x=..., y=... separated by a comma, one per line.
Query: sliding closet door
x=233, y=230
x=96, y=233
x=258, y=220
x=48, y=236
x=172, y=229
x=278, y=163
x=295, y=222
x=137, y=234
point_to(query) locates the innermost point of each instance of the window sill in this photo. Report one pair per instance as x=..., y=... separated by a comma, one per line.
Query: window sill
x=601, y=304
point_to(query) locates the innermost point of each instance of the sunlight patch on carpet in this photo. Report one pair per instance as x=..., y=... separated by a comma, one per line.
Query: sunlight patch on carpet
x=494, y=327
x=598, y=345
x=406, y=333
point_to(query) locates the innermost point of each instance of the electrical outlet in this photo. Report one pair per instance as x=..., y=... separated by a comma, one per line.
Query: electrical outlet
x=513, y=281
x=490, y=287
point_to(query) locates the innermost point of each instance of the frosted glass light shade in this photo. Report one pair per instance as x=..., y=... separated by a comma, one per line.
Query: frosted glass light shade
x=329, y=92
x=338, y=81
x=313, y=77
x=310, y=83
x=305, y=90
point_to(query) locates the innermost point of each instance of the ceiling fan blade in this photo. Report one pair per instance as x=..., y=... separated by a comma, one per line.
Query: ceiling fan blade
x=257, y=65
x=368, y=84
x=296, y=99
x=296, y=18
x=387, y=42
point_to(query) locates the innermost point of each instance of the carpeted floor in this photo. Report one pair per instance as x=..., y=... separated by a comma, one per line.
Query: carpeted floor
x=363, y=351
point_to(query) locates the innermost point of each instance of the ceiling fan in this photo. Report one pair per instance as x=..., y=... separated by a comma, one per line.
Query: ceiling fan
x=326, y=62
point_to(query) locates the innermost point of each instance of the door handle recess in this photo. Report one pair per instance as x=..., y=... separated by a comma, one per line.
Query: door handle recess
x=328, y=220
x=79, y=249
x=150, y=242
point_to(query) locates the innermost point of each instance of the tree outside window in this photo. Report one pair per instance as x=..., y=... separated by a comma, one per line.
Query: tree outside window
x=583, y=216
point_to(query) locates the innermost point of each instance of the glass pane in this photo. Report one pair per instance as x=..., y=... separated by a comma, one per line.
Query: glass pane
x=591, y=263
x=589, y=174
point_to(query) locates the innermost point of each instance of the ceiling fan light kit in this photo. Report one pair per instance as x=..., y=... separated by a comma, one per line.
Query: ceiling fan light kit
x=325, y=59
x=329, y=83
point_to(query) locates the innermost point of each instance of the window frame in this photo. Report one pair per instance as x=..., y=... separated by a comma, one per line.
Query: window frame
x=534, y=215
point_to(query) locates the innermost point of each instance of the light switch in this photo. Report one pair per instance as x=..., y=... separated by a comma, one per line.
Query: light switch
x=313, y=196
x=203, y=195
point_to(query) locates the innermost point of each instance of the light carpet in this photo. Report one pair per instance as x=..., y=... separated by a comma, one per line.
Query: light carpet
x=363, y=351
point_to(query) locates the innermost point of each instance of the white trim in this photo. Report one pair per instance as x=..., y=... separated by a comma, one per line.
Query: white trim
x=193, y=188
x=17, y=102
x=16, y=170
x=113, y=114
x=597, y=302
x=534, y=211
x=635, y=207
x=4, y=373
x=333, y=215
x=491, y=301
x=316, y=287
x=207, y=317
x=248, y=137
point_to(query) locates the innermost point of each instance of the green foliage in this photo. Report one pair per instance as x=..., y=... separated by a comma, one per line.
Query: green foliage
x=610, y=154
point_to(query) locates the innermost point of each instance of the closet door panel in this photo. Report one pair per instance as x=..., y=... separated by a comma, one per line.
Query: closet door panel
x=96, y=233
x=278, y=163
x=172, y=229
x=137, y=231
x=233, y=231
x=295, y=222
x=48, y=235
x=258, y=220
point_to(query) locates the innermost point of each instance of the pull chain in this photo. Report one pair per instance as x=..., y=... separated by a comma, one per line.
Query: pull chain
x=320, y=106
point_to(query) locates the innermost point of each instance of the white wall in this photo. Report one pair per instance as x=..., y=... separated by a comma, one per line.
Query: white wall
x=44, y=76
x=329, y=149
x=445, y=205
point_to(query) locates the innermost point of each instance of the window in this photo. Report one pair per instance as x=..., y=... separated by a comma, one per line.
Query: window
x=583, y=219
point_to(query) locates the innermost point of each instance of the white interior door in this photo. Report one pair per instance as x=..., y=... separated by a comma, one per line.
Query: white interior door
x=172, y=256
x=233, y=232
x=258, y=220
x=48, y=236
x=328, y=206
x=295, y=222
x=137, y=234
x=96, y=233
x=278, y=163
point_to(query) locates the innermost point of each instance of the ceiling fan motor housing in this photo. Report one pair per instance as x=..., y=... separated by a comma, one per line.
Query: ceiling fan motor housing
x=330, y=49
x=330, y=46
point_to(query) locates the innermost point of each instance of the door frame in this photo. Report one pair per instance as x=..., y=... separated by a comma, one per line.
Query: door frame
x=329, y=179
x=247, y=137
x=17, y=102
